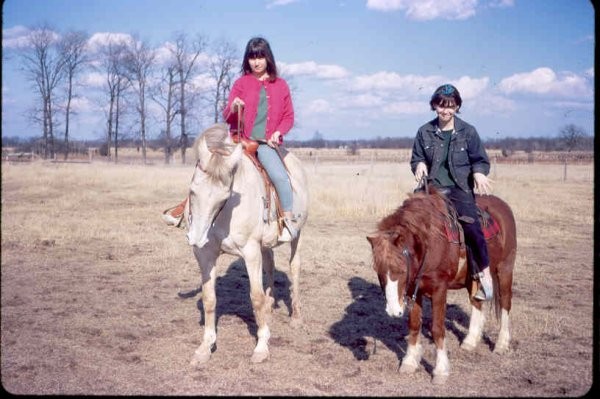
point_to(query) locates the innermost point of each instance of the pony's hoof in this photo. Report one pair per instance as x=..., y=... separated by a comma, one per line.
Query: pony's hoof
x=468, y=346
x=407, y=368
x=259, y=357
x=439, y=379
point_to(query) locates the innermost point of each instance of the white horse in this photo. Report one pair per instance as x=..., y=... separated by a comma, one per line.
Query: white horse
x=226, y=213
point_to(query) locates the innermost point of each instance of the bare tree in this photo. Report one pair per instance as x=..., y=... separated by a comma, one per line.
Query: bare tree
x=186, y=57
x=571, y=136
x=139, y=63
x=113, y=64
x=44, y=67
x=221, y=70
x=164, y=94
x=72, y=50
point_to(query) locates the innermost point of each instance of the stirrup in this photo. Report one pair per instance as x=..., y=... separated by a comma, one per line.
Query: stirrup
x=485, y=292
x=292, y=230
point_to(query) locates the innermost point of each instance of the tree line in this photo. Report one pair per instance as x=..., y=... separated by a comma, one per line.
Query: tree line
x=191, y=72
x=186, y=76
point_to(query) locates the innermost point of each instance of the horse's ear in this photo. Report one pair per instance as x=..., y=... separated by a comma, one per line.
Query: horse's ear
x=204, y=154
x=235, y=153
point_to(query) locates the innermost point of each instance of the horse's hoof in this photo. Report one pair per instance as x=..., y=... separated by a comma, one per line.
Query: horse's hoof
x=201, y=356
x=501, y=350
x=259, y=357
x=439, y=379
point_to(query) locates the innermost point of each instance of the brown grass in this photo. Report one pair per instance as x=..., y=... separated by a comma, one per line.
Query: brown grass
x=90, y=276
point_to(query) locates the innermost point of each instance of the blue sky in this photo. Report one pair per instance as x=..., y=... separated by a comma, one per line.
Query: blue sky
x=359, y=68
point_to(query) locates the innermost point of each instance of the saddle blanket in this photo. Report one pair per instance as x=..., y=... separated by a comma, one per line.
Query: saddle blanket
x=489, y=226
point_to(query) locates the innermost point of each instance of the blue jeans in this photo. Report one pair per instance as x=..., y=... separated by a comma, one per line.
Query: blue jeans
x=270, y=160
x=465, y=206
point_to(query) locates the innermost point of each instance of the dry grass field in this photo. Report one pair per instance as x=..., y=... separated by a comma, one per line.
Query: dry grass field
x=90, y=276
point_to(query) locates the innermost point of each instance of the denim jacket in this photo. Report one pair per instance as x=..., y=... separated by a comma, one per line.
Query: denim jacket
x=466, y=154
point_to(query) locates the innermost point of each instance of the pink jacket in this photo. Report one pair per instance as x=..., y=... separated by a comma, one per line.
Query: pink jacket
x=280, y=111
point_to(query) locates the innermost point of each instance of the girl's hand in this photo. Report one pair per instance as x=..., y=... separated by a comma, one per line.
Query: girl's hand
x=482, y=183
x=420, y=171
x=237, y=102
x=274, y=140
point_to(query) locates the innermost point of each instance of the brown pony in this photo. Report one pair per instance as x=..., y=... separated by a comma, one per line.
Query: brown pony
x=414, y=257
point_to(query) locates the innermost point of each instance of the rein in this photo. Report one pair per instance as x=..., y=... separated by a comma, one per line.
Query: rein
x=410, y=301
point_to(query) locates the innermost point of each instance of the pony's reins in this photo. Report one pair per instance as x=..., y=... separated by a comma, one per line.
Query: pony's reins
x=410, y=301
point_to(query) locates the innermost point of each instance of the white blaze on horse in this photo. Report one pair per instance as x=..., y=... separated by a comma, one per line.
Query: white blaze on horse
x=227, y=212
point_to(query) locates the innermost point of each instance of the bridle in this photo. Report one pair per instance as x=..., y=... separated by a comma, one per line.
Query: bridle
x=199, y=166
x=409, y=301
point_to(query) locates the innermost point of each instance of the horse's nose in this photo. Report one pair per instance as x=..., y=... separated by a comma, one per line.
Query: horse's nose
x=193, y=241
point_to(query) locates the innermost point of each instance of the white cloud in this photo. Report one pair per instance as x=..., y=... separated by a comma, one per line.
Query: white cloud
x=16, y=37
x=319, y=106
x=502, y=3
x=470, y=87
x=590, y=72
x=361, y=101
x=406, y=107
x=312, y=68
x=546, y=81
x=276, y=3
x=82, y=104
x=388, y=81
x=99, y=40
x=94, y=79
x=424, y=10
x=202, y=82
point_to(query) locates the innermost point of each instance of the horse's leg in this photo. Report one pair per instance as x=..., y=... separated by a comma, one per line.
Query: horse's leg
x=262, y=302
x=438, y=331
x=295, y=263
x=209, y=303
x=414, y=350
x=269, y=268
x=476, y=324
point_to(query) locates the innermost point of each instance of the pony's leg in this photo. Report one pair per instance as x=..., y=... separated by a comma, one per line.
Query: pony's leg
x=295, y=263
x=476, y=324
x=209, y=302
x=269, y=268
x=503, y=342
x=504, y=291
x=262, y=302
x=438, y=331
x=414, y=350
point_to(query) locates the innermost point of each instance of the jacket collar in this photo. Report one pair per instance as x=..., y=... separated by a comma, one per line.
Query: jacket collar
x=433, y=127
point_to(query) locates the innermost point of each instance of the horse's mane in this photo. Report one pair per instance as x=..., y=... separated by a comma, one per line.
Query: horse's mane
x=213, y=160
x=420, y=214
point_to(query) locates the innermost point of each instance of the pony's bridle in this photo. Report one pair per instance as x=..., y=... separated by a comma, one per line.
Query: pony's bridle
x=409, y=301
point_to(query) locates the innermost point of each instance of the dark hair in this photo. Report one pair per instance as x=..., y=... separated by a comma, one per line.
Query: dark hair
x=258, y=47
x=446, y=96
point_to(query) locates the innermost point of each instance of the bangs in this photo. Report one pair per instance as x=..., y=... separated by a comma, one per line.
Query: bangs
x=446, y=102
x=257, y=52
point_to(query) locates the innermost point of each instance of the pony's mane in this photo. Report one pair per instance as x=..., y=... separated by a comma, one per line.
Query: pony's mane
x=420, y=214
x=214, y=163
